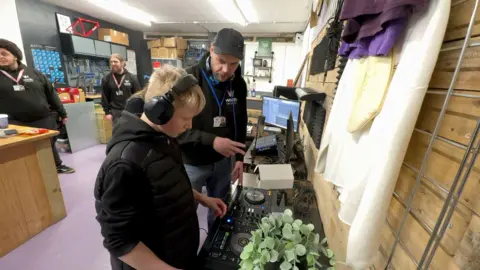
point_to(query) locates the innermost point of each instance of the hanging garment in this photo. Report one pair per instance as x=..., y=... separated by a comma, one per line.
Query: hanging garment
x=366, y=165
x=379, y=45
x=371, y=85
x=366, y=18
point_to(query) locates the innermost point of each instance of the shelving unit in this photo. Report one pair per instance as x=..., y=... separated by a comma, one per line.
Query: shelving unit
x=269, y=67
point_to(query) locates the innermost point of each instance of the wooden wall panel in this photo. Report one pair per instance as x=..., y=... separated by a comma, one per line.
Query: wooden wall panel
x=468, y=78
x=443, y=164
x=416, y=238
x=327, y=200
x=331, y=76
x=426, y=208
x=468, y=254
x=401, y=260
x=460, y=246
x=328, y=88
x=459, y=120
x=459, y=18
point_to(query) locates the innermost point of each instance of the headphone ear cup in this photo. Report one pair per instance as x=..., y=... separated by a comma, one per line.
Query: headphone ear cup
x=159, y=110
x=167, y=114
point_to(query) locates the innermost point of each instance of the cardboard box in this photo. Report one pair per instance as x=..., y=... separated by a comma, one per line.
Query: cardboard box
x=181, y=44
x=172, y=53
x=64, y=97
x=104, y=126
x=155, y=43
x=170, y=42
x=180, y=53
x=160, y=52
x=114, y=36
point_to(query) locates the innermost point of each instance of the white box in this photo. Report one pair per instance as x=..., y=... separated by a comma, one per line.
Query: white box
x=278, y=176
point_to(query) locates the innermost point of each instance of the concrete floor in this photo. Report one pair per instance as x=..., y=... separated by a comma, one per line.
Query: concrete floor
x=75, y=242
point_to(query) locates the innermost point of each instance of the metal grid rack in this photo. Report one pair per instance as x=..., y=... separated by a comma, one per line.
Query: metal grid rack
x=453, y=195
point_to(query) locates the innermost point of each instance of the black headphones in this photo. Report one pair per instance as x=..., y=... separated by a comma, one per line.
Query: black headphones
x=160, y=109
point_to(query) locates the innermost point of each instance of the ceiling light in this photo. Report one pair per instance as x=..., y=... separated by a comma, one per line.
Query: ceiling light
x=248, y=10
x=229, y=10
x=125, y=10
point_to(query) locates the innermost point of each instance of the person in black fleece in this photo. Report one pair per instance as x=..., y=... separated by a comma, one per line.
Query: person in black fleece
x=143, y=197
x=216, y=142
x=117, y=87
x=28, y=97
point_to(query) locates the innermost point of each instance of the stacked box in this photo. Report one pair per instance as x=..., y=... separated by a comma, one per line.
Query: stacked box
x=168, y=47
x=111, y=35
x=104, y=126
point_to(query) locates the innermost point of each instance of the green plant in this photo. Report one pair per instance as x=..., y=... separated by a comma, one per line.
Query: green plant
x=282, y=240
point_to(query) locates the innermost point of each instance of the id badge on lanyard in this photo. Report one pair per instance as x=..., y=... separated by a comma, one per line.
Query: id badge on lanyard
x=16, y=87
x=119, y=91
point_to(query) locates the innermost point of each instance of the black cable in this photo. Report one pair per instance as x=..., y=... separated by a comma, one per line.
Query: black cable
x=204, y=230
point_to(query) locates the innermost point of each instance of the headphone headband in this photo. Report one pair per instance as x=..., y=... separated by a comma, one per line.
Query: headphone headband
x=160, y=109
x=184, y=83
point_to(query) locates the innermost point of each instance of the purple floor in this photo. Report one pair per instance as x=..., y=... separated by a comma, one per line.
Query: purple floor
x=75, y=242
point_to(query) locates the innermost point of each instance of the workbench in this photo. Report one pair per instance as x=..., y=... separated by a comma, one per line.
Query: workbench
x=31, y=199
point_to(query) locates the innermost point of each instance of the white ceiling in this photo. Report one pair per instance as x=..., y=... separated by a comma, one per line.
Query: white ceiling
x=178, y=16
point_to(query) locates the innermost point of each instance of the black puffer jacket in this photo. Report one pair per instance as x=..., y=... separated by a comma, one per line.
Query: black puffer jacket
x=143, y=194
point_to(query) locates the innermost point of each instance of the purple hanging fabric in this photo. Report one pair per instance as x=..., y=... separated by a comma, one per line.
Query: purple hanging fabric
x=355, y=8
x=366, y=18
x=378, y=45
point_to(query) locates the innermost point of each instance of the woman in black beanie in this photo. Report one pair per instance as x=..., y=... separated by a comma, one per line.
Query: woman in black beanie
x=27, y=97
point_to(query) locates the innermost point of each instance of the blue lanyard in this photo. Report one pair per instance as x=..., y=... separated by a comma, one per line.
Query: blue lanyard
x=221, y=103
x=214, y=93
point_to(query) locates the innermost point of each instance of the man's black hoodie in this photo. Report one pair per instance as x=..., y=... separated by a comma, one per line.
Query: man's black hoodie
x=36, y=102
x=143, y=194
x=197, y=143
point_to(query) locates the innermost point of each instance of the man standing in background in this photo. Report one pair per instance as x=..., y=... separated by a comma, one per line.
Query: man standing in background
x=218, y=133
x=27, y=97
x=117, y=87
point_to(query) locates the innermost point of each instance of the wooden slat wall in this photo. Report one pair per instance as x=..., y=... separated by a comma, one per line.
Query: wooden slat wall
x=460, y=247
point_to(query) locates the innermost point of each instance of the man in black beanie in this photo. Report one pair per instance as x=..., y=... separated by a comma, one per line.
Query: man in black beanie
x=27, y=97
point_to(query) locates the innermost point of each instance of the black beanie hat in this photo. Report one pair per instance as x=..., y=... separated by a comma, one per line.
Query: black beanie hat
x=12, y=48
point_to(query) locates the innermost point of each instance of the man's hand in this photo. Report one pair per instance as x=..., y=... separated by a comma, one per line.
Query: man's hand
x=228, y=147
x=218, y=206
x=109, y=117
x=64, y=120
x=237, y=173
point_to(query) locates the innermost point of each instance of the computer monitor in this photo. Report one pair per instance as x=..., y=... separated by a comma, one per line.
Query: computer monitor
x=276, y=111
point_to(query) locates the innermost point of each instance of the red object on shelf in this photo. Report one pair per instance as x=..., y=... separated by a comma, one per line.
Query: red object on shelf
x=63, y=90
x=157, y=64
x=33, y=131
x=86, y=27
x=289, y=83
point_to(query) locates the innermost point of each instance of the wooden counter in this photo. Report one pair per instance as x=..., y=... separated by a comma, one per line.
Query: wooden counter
x=97, y=96
x=31, y=199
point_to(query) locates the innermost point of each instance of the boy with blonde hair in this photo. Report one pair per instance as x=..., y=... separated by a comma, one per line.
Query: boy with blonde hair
x=144, y=200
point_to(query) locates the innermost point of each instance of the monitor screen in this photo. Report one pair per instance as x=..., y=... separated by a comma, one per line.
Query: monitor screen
x=122, y=50
x=102, y=48
x=83, y=45
x=276, y=111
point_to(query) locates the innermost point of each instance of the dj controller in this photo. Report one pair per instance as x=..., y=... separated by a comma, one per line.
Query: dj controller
x=228, y=236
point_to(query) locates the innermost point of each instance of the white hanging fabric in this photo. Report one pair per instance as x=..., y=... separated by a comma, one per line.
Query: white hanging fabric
x=365, y=165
